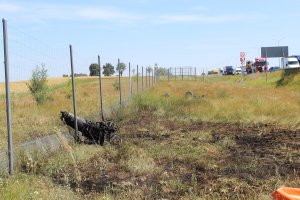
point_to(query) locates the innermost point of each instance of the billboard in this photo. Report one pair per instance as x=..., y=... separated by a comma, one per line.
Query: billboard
x=274, y=52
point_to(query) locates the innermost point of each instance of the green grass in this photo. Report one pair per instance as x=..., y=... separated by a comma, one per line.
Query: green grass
x=156, y=166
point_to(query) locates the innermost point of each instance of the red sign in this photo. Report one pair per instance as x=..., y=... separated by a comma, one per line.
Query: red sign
x=242, y=57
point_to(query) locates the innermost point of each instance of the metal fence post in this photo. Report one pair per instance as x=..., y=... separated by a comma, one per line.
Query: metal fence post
x=7, y=89
x=73, y=94
x=152, y=73
x=149, y=77
x=142, y=78
x=168, y=74
x=100, y=87
x=120, y=89
x=146, y=77
x=195, y=73
x=154, y=76
x=130, y=83
x=137, y=79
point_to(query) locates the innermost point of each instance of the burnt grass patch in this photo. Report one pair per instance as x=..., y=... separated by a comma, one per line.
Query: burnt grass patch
x=195, y=159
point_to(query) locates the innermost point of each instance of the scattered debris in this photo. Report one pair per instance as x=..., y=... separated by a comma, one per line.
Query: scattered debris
x=188, y=94
x=166, y=95
x=92, y=132
x=199, y=97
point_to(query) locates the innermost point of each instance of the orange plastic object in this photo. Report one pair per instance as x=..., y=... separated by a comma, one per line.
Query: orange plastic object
x=286, y=193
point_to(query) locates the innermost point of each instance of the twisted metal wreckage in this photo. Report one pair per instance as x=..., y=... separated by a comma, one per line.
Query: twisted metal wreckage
x=92, y=132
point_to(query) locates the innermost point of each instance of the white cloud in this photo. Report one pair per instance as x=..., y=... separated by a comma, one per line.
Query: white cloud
x=106, y=14
x=200, y=18
x=5, y=7
x=43, y=12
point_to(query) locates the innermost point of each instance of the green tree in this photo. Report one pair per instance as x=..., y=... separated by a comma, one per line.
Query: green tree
x=162, y=71
x=149, y=69
x=121, y=67
x=94, y=69
x=108, y=69
x=38, y=85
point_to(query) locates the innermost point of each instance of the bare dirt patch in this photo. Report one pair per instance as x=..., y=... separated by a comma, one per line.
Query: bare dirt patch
x=194, y=158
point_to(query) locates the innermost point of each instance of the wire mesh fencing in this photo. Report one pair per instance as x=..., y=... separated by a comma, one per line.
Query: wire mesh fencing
x=41, y=86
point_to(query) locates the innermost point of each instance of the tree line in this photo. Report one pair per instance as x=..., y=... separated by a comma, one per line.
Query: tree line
x=109, y=69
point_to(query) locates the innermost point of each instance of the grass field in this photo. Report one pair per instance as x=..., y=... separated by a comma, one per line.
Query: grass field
x=234, y=137
x=30, y=120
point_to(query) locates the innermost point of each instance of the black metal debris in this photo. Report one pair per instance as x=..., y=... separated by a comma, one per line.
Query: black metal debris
x=92, y=132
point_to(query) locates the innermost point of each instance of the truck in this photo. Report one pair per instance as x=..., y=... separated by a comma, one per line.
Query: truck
x=290, y=62
x=238, y=70
x=228, y=70
x=260, y=64
x=296, y=56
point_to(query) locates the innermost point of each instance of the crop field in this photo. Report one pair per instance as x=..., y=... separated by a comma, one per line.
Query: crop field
x=228, y=137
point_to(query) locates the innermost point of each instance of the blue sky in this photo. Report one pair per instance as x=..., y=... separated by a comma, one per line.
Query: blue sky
x=203, y=34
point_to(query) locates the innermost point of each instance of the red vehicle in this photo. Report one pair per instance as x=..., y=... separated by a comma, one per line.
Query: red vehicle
x=261, y=64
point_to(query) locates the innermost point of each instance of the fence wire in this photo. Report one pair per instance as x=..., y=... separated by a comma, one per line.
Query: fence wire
x=37, y=113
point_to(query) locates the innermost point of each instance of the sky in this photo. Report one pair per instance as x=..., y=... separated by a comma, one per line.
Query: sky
x=172, y=33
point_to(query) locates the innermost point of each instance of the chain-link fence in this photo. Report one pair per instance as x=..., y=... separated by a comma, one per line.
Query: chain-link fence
x=184, y=73
x=41, y=85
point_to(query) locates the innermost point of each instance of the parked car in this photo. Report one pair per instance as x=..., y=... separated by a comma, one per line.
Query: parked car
x=274, y=68
x=229, y=70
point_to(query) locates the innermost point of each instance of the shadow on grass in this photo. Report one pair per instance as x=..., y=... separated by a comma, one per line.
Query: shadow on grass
x=287, y=76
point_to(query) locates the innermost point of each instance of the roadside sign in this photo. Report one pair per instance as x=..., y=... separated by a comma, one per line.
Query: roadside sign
x=242, y=57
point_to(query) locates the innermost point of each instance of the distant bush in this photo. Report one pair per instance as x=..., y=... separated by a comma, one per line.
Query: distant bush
x=65, y=75
x=116, y=85
x=79, y=75
x=38, y=84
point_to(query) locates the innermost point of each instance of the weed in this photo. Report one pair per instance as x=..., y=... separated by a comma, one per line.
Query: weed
x=38, y=84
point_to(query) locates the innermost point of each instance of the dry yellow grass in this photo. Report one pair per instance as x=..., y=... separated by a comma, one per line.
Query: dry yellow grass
x=30, y=120
x=222, y=101
x=21, y=87
x=172, y=161
x=229, y=102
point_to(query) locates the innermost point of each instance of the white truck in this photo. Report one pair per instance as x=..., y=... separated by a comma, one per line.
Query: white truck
x=238, y=70
x=290, y=62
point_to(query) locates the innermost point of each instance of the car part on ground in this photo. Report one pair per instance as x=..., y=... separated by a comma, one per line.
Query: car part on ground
x=92, y=132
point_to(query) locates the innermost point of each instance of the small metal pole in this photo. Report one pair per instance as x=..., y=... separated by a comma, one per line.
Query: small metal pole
x=152, y=77
x=175, y=74
x=142, y=78
x=266, y=66
x=100, y=86
x=120, y=90
x=7, y=89
x=130, y=83
x=146, y=71
x=182, y=74
x=168, y=74
x=149, y=77
x=137, y=79
x=195, y=73
x=73, y=94
x=203, y=74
